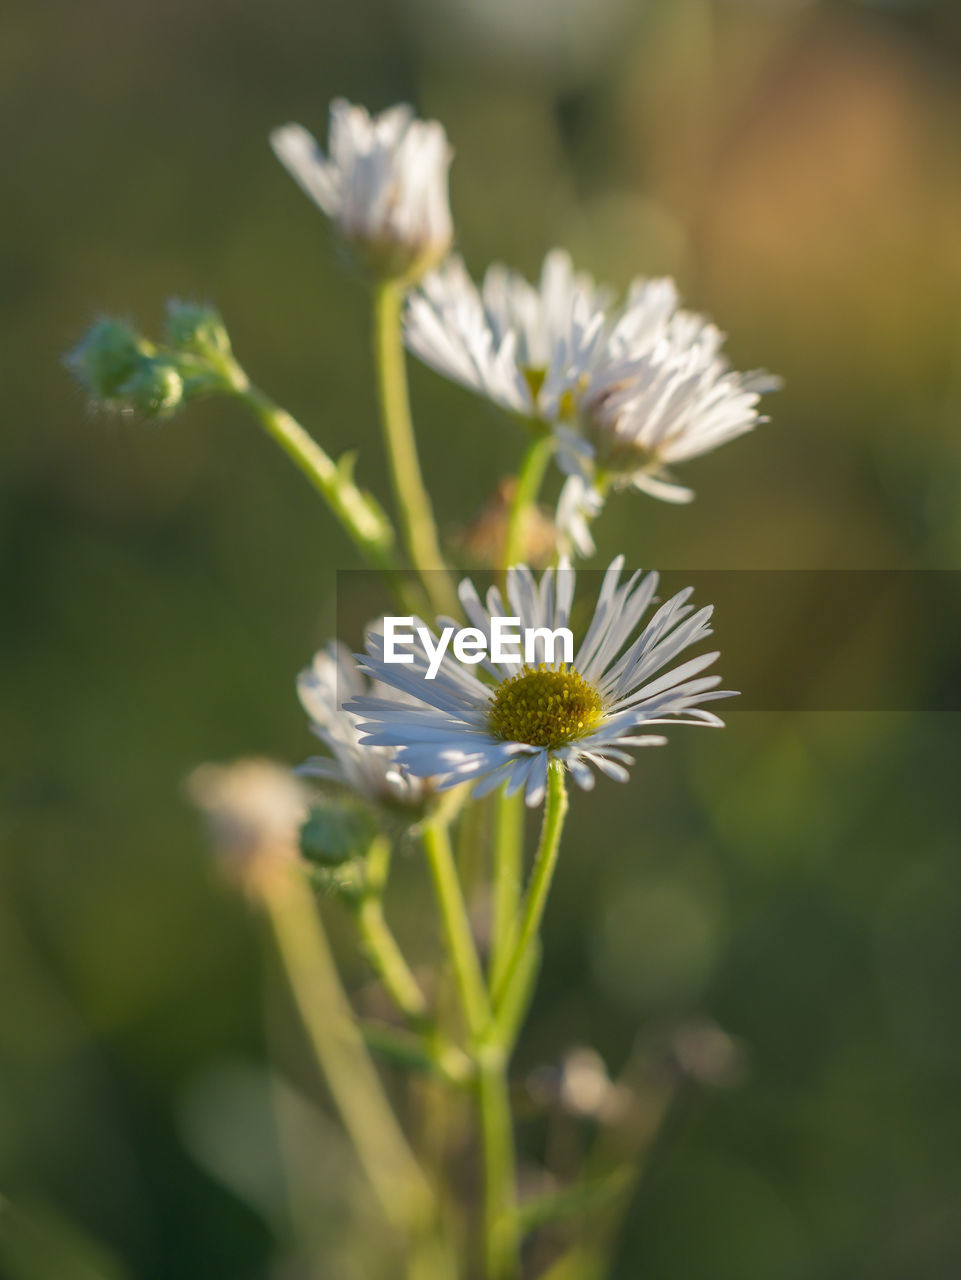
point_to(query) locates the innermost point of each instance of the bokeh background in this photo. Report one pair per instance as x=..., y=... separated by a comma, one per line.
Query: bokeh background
x=796, y=882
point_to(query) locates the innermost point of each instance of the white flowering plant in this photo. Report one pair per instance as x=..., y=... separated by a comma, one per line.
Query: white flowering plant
x=436, y=726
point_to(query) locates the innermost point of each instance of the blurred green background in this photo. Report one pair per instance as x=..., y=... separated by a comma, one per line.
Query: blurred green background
x=796, y=881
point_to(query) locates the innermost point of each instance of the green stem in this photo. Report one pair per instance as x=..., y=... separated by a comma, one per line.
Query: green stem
x=530, y=477
x=379, y=942
x=418, y=1053
x=358, y=512
x=508, y=869
x=413, y=503
x=501, y=1236
x=457, y=930
x=545, y=860
x=381, y=1147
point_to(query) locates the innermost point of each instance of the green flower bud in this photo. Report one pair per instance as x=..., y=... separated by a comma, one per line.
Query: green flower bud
x=335, y=832
x=110, y=355
x=193, y=327
x=156, y=389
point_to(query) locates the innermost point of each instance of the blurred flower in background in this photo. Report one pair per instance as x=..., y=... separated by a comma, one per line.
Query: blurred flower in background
x=254, y=810
x=383, y=184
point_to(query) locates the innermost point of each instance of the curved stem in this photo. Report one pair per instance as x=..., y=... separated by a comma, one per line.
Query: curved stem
x=419, y=1053
x=457, y=930
x=359, y=514
x=413, y=503
x=388, y=1163
x=530, y=477
x=545, y=860
x=379, y=941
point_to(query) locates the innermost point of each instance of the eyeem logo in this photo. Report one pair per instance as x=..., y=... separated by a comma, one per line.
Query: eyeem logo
x=470, y=644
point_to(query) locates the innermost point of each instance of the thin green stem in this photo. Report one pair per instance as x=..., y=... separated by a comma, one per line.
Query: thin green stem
x=545, y=860
x=358, y=512
x=410, y=494
x=394, y=1175
x=501, y=1237
x=530, y=477
x=513, y=1011
x=419, y=1053
x=508, y=872
x=379, y=942
x=457, y=930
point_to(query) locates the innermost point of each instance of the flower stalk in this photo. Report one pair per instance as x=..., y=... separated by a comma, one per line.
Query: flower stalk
x=530, y=477
x=410, y=494
x=379, y=942
x=545, y=861
x=391, y=1169
x=501, y=1238
x=508, y=873
x=456, y=926
x=359, y=513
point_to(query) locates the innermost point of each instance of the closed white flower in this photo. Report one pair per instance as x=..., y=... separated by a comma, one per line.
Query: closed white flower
x=383, y=183
x=508, y=724
x=371, y=772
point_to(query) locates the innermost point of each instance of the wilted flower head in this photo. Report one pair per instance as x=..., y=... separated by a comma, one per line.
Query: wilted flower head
x=383, y=183
x=254, y=810
x=484, y=538
x=373, y=773
x=508, y=727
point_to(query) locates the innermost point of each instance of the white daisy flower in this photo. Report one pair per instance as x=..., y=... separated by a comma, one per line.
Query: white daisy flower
x=523, y=346
x=508, y=727
x=667, y=396
x=372, y=772
x=628, y=389
x=383, y=183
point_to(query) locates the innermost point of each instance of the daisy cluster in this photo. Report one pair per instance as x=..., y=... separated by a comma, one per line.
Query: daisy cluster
x=624, y=388
x=628, y=389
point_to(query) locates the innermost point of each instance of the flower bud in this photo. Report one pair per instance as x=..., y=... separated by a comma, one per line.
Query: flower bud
x=156, y=389
x=197, y=328
x=110, y=354
x=335, y=832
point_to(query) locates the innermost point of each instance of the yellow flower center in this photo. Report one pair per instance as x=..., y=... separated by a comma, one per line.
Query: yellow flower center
x=544, y=707
x=567, y=404
x=535, y=379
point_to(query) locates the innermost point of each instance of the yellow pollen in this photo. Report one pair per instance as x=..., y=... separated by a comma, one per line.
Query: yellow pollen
x=544, y=707
x=535, y=380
